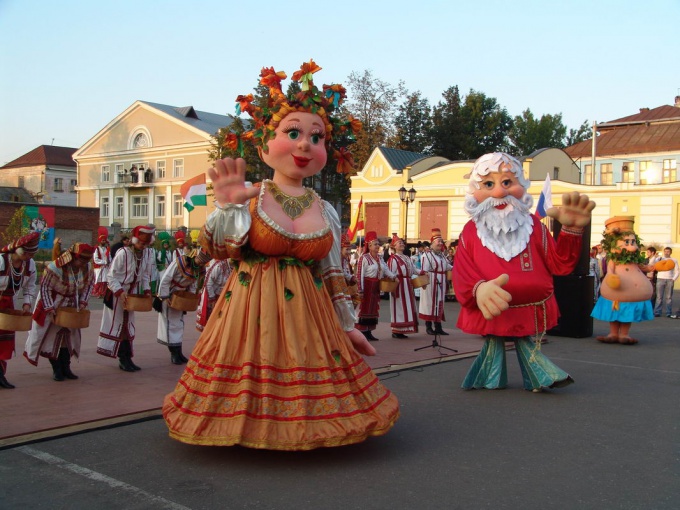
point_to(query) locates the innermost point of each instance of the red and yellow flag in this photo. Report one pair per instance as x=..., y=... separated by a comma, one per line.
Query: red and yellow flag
x=358, y=223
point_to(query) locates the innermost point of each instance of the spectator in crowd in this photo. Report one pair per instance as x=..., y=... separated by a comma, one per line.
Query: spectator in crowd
x=217, y=273
x=665, y=280
x=124, y=241
x=594, y=271
x=652, y=258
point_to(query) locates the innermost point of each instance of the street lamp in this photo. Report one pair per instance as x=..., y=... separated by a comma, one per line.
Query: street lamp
x=407, y=196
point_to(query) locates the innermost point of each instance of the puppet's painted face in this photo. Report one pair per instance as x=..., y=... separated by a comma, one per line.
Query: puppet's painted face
x=298, y=150
x=499, y=185
x=627, y=243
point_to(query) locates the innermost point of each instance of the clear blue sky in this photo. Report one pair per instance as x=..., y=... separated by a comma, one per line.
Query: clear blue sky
x=69, y=67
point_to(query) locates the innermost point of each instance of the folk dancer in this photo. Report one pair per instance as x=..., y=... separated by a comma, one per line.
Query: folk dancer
x=102, y=261
x=431, y=306
x=345, y=259
x=130, y=273
x=182, y=275
x=503, y=275
x=216, y=275
x=67, y=282
x=403, y=311
x=371, y=268
x=17, y=272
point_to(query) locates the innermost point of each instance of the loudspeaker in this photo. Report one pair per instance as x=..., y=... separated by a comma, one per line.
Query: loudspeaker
x=574, y=294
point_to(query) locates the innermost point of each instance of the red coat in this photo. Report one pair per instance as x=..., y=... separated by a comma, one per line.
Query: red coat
x=533, y=306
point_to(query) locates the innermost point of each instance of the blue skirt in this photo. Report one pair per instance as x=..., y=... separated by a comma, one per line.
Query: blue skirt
x=636, y=311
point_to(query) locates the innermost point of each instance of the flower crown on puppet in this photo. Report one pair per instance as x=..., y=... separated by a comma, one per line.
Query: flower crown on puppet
x=616, y=229
x=310, y=99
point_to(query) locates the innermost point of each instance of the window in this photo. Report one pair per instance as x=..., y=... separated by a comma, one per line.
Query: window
x=588, y=175
x=104, y=207
x=628, y=172
x=177, y=203
x=178, y=168
x=556, y=172
x=106, y=173
x=20, y=181
x=140, y=206
x=72, y=188
x=644, y=167
x=119, y=207
x=160, y=169
x=160, y=206
x=58, y=184
x=119, y=169
x=670, y=168
x=606, y=175
x=140, y=141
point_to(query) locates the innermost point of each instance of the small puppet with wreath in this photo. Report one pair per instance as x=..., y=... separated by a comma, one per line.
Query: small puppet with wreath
x=625, y=291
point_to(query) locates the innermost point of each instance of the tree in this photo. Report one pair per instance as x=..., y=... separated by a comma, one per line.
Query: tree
x=529, y=134
x=413, y=125
x=485, y=125
x=584, y=132
x=372, y=101
x=16, y=228
x=447, y=126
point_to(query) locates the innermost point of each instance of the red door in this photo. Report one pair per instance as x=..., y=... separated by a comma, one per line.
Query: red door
x=377, y=216
x=433, y=215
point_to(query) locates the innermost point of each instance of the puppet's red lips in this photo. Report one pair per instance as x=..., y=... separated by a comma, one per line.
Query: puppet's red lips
x=501, y=207
x=301, y=162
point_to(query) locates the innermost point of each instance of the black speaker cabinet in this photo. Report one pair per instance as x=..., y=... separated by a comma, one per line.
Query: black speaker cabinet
x=574, y=294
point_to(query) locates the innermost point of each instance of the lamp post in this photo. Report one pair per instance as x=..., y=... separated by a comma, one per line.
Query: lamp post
x=407, y=196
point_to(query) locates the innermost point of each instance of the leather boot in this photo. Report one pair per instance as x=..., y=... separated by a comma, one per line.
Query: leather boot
x=65, y=360
x=182, y=356
x=438, y=329
x=57, y=372
x=428, y=328
x=369, y=336
x=4, y=383
x=175, y=358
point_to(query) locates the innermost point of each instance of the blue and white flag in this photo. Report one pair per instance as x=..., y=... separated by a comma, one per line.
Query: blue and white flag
x=545, y=200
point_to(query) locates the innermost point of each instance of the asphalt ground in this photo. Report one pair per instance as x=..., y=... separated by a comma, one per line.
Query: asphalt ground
x=609, y=441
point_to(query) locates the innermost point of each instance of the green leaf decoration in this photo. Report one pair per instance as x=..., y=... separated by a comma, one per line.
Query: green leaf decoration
x=318, y=282
x=288, y=294
x=336, y=356
x=227, y=296
x=244, y=278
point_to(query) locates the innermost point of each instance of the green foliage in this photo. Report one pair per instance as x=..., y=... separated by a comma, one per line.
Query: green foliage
x=485, y=125
x=16, y=228
x=413, y=124
x=529, y=134
x=584, y=132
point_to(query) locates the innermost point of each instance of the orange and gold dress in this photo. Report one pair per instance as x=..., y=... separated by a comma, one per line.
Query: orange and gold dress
x=274, y=368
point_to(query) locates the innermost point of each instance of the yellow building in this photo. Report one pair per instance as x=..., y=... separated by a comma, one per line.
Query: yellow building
x=134, y=167
x=440, y=187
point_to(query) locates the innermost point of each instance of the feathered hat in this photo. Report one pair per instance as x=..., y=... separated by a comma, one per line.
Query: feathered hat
x=310, y=99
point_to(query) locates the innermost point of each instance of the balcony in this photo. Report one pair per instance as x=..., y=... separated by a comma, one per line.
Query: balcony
x=134, y=178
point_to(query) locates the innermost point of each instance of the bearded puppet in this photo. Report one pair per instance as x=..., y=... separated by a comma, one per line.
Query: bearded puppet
x=625, y=291
x=502, y=276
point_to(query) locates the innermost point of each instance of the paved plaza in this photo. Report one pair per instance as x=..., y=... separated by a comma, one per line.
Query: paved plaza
x=611, y=440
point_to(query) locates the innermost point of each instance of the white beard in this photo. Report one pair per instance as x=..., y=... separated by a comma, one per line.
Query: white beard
x=506, y=232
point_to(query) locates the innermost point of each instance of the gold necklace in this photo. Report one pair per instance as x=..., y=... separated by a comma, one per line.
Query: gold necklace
x=292, y=206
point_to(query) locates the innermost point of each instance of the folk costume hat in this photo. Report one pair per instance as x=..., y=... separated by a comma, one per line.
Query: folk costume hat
x=102, y=234
x=344, y=241
x=143, y=233
x=266, y=117
x=180, y=235
x=436, y=234
x=25, y=244
x=81, y=250
x=395, y=240
x=370, y=236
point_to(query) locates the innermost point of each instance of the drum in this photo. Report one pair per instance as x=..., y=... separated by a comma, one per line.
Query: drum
x=138, y=303
x=69, y=317
x=421, y=281
x=15, y=320
x=388, y=286
x=184, y=301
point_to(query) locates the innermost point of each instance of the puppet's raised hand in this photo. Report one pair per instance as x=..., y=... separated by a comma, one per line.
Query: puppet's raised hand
x=228, y=177
x=492, y=300
x=575, y=211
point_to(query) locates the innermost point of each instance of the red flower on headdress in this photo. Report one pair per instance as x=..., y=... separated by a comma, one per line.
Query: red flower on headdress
x=355, y=124
x=231, y=141
x=243, y=103
x=345, y=161
x=304, y=75
x=271, y=78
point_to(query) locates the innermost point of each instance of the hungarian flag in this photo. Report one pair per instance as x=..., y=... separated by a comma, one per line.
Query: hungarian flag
x=194, y=192
x=358, y=224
